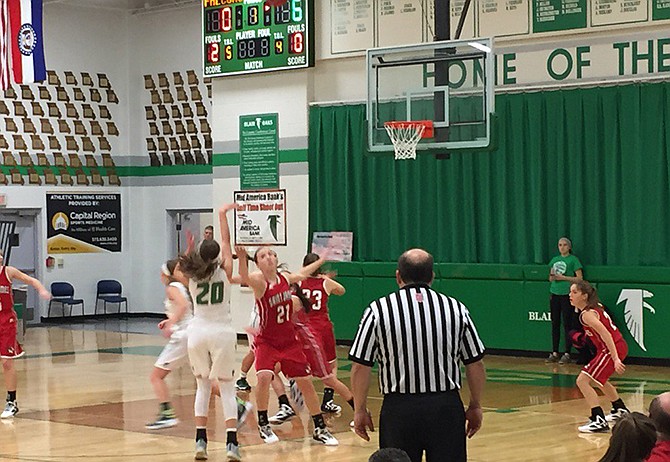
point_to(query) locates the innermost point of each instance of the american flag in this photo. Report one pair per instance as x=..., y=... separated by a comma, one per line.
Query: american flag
x=5, y=59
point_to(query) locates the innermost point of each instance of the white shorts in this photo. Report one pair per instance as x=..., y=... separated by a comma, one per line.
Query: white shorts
x=254, y=322
x=175, y=353
x=212, y=349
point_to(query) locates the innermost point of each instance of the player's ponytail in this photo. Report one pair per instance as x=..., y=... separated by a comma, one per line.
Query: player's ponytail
x=592, y=299
x=306, y=302
x=168, y=269
x=201, y=265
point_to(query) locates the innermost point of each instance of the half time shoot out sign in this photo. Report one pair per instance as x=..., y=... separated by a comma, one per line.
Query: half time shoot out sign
x=246, y=36
x=260, y=218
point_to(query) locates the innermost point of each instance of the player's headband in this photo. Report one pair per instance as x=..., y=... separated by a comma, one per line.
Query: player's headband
x=165, y=270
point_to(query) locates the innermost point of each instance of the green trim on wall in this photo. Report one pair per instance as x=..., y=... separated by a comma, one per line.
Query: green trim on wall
x=23, y=170
x=219, y=160
x=286, y=156
x=164, y=170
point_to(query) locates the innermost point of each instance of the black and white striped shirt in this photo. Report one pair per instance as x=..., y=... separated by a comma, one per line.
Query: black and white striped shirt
x=419, y=337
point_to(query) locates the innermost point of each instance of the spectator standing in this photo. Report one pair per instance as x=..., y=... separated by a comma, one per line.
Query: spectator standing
x=208, y=234
x=419, y=337
x=564, y=269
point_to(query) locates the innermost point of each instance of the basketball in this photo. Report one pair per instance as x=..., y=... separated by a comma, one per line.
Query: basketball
x=275, y=2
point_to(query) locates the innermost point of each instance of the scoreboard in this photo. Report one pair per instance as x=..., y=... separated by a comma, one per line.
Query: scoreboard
x=248, y=36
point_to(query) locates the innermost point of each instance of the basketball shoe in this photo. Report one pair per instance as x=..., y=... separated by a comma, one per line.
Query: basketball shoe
x=165, y=419
x=242, y=384
x=322, y=435
x=284, y=414
x=331, y=407
x=201, y=450
x=267, y=435
x=616, y=414
x=599, y=425
x=233, y=452
x=11, y=409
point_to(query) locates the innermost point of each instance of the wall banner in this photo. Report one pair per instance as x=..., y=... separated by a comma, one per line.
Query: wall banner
x=259, y=151
x=339, y=244
x=261, y=217
x=83, y=223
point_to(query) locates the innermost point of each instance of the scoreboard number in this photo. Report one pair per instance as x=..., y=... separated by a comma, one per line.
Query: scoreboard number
x=248, y=36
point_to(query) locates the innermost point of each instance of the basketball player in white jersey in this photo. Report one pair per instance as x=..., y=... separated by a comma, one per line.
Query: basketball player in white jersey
x=211, y=337
x=175, y=354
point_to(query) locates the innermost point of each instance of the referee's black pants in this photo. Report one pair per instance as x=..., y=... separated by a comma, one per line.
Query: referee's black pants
x=431, y=422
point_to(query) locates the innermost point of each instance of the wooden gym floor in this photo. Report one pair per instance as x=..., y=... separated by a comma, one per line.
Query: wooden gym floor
x=85, y=394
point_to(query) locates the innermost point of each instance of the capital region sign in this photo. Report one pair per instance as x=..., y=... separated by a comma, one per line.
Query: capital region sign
x=83, y=223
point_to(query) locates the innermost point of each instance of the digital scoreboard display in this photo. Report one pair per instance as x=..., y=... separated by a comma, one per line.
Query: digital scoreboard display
x=248, y=36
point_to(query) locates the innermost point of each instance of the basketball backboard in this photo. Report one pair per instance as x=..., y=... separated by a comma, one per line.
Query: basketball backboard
x=450, y=83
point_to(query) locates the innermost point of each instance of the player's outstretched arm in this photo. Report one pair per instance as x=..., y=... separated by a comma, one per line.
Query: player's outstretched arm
x=333, y=287
x=14, y=273
x=226, y=250
x=243, y=267
x=306, y=271
x=254, y=280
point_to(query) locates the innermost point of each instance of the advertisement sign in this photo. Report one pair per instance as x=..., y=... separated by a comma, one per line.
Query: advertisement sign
x=338, y=243
x=259, y=151
x=260, y=218
x=83, y=223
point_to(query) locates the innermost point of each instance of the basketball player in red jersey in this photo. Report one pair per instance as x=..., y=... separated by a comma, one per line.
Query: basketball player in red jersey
x=315, y=330
x=612, y=350
x=9, y=345
x=276, y=341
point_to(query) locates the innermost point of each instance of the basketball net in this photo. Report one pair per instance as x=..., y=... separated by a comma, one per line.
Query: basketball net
x=405, y=137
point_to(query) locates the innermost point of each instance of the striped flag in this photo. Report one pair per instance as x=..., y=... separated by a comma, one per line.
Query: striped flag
x=27, y=44
x=4, y=48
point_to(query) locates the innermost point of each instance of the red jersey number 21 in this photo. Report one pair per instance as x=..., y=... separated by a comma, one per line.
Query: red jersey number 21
x=283, y=313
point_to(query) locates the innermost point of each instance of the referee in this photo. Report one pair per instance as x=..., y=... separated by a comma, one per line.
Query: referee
x=419, y=337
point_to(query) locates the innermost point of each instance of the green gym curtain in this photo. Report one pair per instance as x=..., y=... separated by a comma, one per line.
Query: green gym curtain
x=592, y=164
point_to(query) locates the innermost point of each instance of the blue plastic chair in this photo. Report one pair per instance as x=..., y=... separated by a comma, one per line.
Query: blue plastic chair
x=109, y=291
x=63, y=293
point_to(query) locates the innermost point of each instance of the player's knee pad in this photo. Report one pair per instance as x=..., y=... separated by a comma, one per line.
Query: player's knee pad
x=202, y=394
x=228, y=399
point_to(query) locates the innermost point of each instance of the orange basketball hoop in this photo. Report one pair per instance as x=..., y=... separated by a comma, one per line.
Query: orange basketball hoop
x=405, y=136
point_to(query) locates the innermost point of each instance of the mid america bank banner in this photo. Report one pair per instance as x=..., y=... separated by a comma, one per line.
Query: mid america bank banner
x=83, y=223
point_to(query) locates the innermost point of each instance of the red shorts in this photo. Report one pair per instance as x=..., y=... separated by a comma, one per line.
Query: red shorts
x=314, y=352
x=326, y=337
x=290, y=357
x=601, y=368
x=10, y=348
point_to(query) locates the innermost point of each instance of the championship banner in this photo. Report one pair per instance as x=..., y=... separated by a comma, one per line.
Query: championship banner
x=260, y=218
x=83, y=223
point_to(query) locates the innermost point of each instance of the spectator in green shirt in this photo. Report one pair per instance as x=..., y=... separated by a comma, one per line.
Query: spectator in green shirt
x=564, y=269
